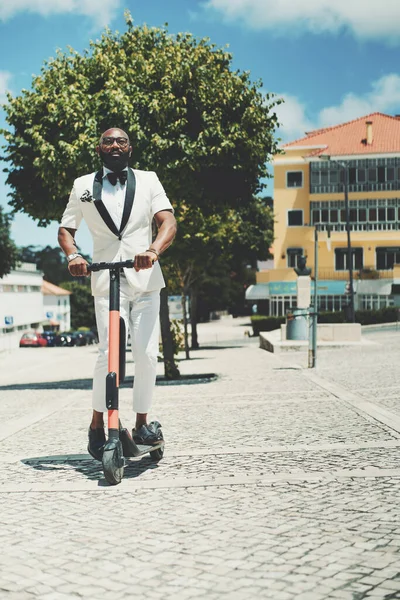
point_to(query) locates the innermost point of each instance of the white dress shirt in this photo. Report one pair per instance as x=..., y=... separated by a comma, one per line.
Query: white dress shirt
x=113, y=197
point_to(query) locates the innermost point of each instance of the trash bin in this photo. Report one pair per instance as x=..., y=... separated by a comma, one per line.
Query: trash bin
x=297, y=324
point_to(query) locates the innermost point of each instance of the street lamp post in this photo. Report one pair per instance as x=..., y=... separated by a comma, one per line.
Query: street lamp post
x=345, y=167
x=312, y=345
x=349, y=250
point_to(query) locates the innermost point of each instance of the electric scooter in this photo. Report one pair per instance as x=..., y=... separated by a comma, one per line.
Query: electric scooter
x=120, y=444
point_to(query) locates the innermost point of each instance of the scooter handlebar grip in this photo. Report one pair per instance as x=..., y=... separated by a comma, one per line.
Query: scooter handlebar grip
x=105, y=266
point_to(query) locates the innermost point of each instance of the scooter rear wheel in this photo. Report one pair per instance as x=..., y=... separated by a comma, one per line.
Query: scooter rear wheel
x=113, y=462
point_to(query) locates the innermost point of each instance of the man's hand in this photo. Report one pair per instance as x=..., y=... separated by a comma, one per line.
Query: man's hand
x=77, y=267
x=144, y=260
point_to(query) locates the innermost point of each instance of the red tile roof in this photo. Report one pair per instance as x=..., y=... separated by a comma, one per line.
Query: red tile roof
x=350, y=138
x=49, y=289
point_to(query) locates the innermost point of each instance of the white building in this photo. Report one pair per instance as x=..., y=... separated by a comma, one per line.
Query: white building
x=28, y=303
x=56, y=306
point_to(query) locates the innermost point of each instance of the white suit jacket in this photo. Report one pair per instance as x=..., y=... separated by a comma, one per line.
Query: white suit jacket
x=145, y=196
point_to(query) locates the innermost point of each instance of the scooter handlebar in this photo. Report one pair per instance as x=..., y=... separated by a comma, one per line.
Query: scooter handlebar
x=104, y=266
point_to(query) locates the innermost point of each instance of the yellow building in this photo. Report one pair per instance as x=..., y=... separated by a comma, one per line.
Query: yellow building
x=309, y=183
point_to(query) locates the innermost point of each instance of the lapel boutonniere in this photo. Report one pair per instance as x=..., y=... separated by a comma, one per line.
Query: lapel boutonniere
x=86, y=196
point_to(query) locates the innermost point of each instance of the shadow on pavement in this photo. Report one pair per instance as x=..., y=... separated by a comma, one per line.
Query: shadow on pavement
x=224, y=346
x=86, y=384
x=87, y=466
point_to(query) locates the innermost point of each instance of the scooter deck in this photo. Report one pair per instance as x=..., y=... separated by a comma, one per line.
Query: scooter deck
x=130, y=449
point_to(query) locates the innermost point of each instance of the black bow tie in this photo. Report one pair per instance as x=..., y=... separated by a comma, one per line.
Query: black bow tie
x=114, y=177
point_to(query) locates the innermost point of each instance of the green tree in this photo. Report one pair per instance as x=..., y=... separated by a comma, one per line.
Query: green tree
x=219, y=246
x=49, y=260
x=82, y=308
x=206, y=129
x=8, y=250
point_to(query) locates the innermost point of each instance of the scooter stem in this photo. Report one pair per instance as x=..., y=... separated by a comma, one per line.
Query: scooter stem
x=112, y=381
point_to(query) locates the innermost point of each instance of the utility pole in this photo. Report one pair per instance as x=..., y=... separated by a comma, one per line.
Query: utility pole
x=349, y=249
x=312, y=348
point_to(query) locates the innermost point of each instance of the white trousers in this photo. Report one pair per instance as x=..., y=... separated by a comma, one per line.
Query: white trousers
x=140, y=312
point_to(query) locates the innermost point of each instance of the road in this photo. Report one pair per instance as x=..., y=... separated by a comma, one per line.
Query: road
x=277, y=482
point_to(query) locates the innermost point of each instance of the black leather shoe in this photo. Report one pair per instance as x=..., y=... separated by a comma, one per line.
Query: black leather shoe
x=97, y=440
x=148, y=435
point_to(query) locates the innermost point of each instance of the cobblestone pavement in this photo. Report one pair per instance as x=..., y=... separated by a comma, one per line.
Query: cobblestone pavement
x=277, y=482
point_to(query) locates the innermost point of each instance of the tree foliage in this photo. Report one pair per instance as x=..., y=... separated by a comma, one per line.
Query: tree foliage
x=49, y=260
x=205, y=129
x=8, y=250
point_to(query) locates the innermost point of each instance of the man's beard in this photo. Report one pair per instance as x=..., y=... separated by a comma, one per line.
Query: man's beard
x=115, y=163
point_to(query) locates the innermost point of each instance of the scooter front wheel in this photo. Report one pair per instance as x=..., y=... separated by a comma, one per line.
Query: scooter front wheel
x=157, y=455
x=113, y=462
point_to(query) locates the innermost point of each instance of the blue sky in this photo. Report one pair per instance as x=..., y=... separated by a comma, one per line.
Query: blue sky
x=331, y=62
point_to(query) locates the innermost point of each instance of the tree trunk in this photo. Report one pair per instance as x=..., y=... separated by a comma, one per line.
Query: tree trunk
x=193, y=319
x=171, y=370
x=185, y=325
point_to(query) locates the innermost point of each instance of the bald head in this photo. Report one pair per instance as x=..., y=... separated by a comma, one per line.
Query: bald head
x=114, y=149
x=114, y=132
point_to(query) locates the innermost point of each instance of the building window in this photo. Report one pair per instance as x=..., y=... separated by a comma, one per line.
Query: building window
x=341, y=262
x=387, y=257
x=330, y=303
x=279, y=305
x=295, y=218
x=294, y=179
x=381, y=214
x=375, y=301
x=365, y=175
x=293, y=256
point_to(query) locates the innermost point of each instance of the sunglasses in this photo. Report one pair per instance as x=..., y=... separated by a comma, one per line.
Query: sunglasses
x=109, y=141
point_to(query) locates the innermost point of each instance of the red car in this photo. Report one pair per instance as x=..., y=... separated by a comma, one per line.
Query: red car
x=34, y=340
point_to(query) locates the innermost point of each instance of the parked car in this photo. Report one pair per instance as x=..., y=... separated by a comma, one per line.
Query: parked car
x=32, y=340
x=65, y=339
x=71, y=338
x=80, y=338
x=91, y=337
x=50, y=337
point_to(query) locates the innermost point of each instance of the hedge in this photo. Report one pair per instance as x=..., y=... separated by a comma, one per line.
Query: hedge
x=372, y=317
x=365, y=317
x=263, y=323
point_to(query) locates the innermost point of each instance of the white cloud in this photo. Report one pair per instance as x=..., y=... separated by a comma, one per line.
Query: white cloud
x=102, y=11
x=292, y=118
x=4, y=79
x=366, y=19
x=384, y=96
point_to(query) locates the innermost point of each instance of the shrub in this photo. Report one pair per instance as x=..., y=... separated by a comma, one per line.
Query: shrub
x=264, y=323
x=178, y=338
x=331, y=317
x=372, y=317
x=364, y=317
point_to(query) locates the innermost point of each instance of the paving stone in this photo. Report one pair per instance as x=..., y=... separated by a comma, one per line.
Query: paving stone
x=220, y=525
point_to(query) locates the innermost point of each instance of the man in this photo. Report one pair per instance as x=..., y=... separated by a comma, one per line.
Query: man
x=118, y=205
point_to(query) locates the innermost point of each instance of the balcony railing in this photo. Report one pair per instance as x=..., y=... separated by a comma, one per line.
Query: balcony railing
x=365, y=273
x=359, y=226
x=337, y=188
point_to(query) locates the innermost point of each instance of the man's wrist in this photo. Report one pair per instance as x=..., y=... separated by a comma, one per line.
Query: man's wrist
x=73, y=256
x=154, y=252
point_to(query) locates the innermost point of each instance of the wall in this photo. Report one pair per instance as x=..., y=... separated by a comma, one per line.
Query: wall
x=25, y=307
x=299, y=198
x=57, y=308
